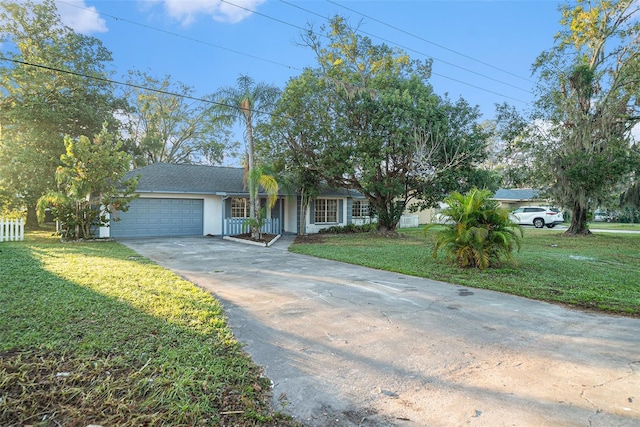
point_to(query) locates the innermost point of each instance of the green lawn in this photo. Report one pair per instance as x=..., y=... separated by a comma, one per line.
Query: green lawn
x=614, y=226
x=91, y=333
x=600, y=272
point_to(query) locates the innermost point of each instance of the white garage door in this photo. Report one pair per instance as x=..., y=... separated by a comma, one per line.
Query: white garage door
x=160, y=217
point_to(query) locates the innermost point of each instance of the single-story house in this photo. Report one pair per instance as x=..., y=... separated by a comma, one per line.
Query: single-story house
x=509, y=199
x=515, y=197
x=197, y=200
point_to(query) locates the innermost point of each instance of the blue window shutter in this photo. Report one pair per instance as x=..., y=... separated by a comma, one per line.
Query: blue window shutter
x=340, y=211
x=349, y=210
x=312, y=212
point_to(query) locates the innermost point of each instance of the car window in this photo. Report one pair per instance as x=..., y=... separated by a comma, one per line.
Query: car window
x=519, y=210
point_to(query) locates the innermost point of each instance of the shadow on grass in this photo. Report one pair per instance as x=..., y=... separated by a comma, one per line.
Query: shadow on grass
x=85, y=339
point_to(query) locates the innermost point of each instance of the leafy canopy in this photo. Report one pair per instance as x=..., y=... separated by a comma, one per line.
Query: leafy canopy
x=165, y=124
x=588, y=103
x=90, y=185
x=39, y=106
x=366, y=119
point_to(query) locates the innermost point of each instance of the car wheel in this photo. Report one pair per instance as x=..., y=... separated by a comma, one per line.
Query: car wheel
x=550, y=225
x=538, y=222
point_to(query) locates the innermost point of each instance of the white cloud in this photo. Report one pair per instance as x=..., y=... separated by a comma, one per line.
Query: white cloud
x=82, y=18
x=186, y=11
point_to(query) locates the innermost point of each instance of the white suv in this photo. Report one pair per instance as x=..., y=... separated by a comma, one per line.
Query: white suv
x=538, y=216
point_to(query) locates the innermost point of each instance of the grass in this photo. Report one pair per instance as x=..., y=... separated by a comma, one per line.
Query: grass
x=92, y=333
x=599, y=272
x=614, y=226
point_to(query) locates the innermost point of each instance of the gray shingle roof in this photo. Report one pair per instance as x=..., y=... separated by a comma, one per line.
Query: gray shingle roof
x=516, y=194
x=200, y=179
x=194, y=179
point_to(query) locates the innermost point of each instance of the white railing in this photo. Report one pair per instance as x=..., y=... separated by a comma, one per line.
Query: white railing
x=11, y=229
x=235, y=226
x=409, y=221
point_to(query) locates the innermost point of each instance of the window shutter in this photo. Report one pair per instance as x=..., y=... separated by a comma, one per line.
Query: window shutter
x=312, y=212
x=340, y=211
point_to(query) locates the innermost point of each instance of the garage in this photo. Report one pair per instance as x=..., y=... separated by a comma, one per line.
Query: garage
x=151, y=217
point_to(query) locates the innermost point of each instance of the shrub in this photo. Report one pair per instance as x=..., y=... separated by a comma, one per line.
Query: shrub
x=477, y=233
x=350, y=228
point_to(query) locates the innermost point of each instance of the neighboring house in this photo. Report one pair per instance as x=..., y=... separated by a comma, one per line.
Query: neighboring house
x=196, y=200
x=514, y=198
x=509, y=199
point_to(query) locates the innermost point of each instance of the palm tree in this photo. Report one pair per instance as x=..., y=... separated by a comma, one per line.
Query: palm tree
x=246, y=103
x=477, y=232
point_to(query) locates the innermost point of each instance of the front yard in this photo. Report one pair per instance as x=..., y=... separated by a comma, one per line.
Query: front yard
x=91, y=333
x=600, y=272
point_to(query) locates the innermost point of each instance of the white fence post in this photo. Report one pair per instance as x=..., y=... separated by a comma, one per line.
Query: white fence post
x=11, y=229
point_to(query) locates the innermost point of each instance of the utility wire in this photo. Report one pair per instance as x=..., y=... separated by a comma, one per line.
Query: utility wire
x=291, y=25
x=136, y=86
x=160, y=30
x=430, y=42
x=433, y=73
x=416, y=51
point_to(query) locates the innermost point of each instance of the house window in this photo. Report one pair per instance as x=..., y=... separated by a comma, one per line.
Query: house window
x=326, y=210
x=239, y=207
x=360, y=209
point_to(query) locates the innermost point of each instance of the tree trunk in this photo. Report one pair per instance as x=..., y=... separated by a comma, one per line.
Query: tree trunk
x=389, y=213
x=254, y=200
x=304, y=206
x=578, y=221
x=32, y=218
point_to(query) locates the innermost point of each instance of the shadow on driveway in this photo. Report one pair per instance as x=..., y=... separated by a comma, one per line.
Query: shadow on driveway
x=352, y=346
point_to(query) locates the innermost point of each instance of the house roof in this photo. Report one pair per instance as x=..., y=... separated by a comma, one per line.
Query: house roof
x=201, y=179
x=518, y=194
x=192, y=179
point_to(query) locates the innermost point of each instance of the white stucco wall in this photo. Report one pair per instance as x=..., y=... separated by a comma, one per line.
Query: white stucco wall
x=315, y=228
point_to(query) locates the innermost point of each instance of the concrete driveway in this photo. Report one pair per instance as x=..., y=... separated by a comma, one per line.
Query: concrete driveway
x=352, y=346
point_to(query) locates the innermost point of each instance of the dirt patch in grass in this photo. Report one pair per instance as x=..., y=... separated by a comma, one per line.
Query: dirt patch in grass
x=48, y=389
x=309, y=239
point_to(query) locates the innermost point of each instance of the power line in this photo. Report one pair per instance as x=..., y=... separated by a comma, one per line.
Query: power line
x=433, y=73
x=294, y=26
x=160, y=91
x=136, y=86
x=171, y=33
x=430, y=42
x=418, y=52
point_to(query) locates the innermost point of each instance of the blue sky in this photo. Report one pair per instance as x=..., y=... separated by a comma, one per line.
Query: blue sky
x=482, y=50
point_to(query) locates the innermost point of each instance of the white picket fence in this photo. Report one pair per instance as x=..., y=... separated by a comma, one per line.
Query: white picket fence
x=11, y=229
x=409, y=221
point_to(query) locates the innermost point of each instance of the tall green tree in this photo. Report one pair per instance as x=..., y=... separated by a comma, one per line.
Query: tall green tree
x=46, y=92
x=366, y=119
x=588, y=103
x=249, y=103
x=90, y=185
x=165, y=124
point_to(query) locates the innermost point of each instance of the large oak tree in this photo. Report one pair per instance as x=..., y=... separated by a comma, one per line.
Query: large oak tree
x=588, y=103
x=48, y=89
x=366, y=119
x=166, y=123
